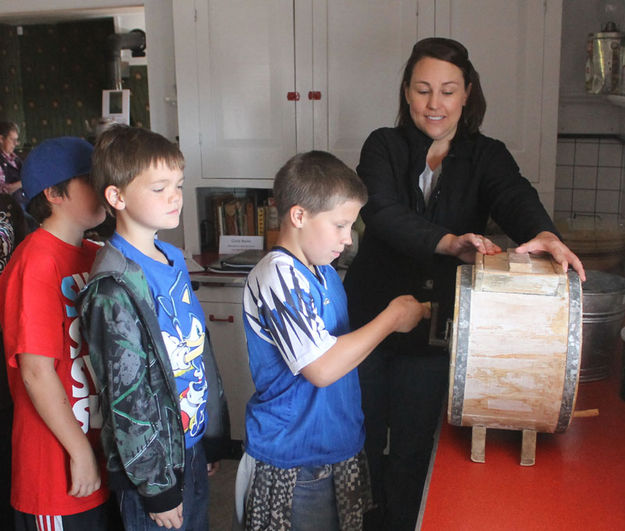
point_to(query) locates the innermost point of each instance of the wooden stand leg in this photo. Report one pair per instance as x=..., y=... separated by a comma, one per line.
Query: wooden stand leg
x=528, y=448
x=478, y=444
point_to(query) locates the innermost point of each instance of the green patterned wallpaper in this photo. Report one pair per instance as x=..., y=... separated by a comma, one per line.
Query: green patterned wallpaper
x=137, y=82
x=56, y=89
x=11, y=100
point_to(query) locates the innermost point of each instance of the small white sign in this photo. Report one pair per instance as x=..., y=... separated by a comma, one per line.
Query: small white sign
x=237, y=244
x=116, y=105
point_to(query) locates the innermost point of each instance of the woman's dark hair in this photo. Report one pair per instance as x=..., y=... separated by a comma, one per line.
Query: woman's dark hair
x=7, y=127
x=455, y=53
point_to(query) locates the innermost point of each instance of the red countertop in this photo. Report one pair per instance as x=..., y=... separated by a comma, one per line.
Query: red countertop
x=578, y=481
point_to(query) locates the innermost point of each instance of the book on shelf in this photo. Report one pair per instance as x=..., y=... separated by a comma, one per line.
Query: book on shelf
x=230, y=218
x=271, y=238
x=272, y=221
x=230, y=215
x=239, y=218
x=260, y=220
x=215, y=218
x=250, y=218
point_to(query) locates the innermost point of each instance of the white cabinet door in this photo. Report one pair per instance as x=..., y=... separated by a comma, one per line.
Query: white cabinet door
x=247, y=57
x=245, y=72
x=515, y=46
x=354, y=60
x=225, y=325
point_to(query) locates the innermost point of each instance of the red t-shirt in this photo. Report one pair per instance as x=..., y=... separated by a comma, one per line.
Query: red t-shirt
x=38, y=289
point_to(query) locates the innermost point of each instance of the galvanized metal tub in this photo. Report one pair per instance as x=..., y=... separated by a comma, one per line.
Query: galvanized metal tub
x=603, y=314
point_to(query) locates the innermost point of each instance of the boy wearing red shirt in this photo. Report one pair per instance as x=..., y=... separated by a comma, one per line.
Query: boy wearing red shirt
x=55, y=480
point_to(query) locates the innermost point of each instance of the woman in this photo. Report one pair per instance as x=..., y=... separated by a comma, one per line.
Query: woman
x=12, y=227
x=10, y=163
x=10, y=170
x=433, y=182
x=11, y=167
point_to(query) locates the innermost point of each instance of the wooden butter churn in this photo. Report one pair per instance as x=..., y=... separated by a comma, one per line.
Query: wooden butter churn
x=515, y=349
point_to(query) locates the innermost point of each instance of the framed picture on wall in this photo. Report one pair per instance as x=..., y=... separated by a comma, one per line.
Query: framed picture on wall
x=116, y=105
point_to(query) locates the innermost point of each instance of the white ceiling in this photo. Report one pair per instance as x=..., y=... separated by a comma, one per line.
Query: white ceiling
x=53, y=17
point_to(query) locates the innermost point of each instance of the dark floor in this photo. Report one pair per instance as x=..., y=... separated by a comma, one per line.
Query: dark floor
x=221, y=504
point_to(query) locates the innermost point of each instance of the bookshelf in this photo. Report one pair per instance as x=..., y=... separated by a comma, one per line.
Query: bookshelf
x=235, y=212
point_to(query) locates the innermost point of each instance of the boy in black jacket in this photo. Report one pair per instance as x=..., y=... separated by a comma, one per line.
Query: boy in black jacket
x=160, y=390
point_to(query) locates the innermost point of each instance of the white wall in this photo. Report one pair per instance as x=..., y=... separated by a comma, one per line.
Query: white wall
x=162, y=82
x=162, y=67
x=123, y=24
x=580, y=112
x=28, y=7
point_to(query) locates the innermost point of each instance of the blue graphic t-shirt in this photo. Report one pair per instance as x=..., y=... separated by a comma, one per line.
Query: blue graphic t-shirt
x=182, y=323
x=292, y=317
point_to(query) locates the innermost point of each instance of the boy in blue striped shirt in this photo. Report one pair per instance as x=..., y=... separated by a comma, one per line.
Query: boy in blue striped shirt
x=304, y=461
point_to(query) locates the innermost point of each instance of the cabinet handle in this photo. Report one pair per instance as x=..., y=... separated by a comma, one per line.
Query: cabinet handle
x=314, y=95
x=292, y=96
x=213, y=319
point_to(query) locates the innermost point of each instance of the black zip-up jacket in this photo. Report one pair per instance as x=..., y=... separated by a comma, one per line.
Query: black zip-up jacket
x=479, y=178
x=142, y=433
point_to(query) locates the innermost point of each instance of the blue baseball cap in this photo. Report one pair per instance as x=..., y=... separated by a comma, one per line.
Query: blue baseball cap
x=53, y=161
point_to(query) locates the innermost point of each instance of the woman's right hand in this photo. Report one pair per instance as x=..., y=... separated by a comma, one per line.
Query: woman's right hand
x=465, y=246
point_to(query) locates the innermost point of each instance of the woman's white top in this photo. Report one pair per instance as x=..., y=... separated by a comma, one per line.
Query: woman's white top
x=428, y=179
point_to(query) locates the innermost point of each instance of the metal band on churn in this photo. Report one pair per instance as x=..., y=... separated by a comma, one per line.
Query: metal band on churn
x=462, y=342
x=573, y=354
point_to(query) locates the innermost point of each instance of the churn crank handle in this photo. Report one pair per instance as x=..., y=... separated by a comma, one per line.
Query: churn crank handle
x=433, y=340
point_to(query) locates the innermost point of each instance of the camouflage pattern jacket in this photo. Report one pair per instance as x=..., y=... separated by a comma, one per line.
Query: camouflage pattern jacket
x=142, y=433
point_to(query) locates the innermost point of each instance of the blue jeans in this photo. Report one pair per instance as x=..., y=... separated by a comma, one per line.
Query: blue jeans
x=194, y=501
x=314, y=501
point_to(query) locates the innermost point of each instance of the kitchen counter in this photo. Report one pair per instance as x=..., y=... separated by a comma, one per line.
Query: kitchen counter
x=235, y=280
x=215, y=277
x=578, y=481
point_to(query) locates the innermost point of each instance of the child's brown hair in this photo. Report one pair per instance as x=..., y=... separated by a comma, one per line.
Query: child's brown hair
x=122, y=152
x=317, y=181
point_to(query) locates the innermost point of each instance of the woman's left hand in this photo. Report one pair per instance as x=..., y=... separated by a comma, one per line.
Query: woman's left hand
x=550, y=243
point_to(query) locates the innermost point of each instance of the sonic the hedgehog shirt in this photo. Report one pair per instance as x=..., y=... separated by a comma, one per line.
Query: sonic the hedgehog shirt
x=292, y=317
x=182, y=323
